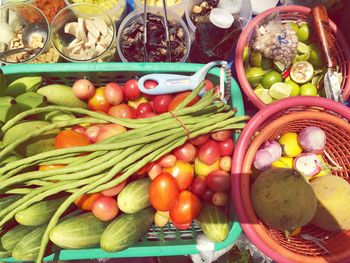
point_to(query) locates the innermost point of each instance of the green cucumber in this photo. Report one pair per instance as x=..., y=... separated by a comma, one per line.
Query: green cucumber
x=213, y=222
x=10, y=239
x=126, y=230
x=4, y=253
x=135, y=196
x=28, y=247
x=82, y=231
x=39, y=213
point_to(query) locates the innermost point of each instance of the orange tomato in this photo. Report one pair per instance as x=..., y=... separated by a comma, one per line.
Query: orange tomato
x=179, y=98
x=86, y=201
x=183, y=174
x=69, y=138
x=98, y=102
x=186, y=209
x=49, y=167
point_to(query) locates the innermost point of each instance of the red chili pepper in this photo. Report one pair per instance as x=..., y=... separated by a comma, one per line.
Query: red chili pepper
x=286, y=74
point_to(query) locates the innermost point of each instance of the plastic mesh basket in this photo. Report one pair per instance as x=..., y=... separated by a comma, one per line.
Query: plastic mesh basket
x=165, y=241
x=292, y=114
x=297, y=14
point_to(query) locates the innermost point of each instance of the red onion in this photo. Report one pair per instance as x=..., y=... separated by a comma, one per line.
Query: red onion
x=263, y=159
x=274, y=148
x=307, y=164
x=312, y=139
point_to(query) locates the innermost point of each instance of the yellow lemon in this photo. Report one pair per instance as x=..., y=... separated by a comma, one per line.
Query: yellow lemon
x=290, y=144
x=283, y=162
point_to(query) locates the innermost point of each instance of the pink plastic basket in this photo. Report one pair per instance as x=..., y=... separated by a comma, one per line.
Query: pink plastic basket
x=289, y=13
x=291, y=114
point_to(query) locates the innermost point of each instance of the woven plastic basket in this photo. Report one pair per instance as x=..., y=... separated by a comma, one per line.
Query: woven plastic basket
x=297, y=14
x=292, y=114
x=167, y=241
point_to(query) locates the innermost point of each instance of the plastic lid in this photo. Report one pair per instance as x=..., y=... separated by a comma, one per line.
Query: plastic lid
x=221, y=18
x=233, y=6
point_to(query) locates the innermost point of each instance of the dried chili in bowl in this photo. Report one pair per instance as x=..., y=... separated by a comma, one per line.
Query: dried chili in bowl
x=50, y=7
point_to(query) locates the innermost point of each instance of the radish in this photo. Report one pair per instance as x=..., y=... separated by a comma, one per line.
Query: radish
x=307, y=164
x=312, y=139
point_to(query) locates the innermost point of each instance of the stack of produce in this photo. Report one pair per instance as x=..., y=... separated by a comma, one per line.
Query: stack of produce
x=82, y=166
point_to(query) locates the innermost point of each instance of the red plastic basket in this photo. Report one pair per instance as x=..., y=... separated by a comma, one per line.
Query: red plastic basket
x=292, y=114
x=289, y=13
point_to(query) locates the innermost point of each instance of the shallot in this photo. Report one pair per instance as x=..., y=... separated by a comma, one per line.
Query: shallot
x=312, y=139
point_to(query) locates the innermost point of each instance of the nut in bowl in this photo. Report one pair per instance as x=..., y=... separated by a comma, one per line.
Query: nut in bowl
x=83, y=32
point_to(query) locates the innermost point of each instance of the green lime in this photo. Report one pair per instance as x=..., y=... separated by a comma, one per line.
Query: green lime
x=302, y=72
x=303, y=57
x=304, y=32
x=263, y=95
x=295, y=91
x=266, y=64
x=315, y=56
x=280, y=91
x=280, y=66
x=308, y=90
x=245, y=53
x=294, y=26
x=270, y=78
x=254, y=75
x=303, y=48
x=255, y=59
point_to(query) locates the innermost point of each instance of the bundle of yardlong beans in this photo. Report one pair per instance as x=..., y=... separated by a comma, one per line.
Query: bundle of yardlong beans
x=146, y=141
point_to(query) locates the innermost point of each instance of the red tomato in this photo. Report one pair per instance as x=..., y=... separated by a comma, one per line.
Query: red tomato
x=167, y=161
x=109, y=130
x=83, y=89
x=114, y=190
x=105, y=208
x=69, y=138
x=147, y=115
x=145, y=169
x=143, y=108
x=131, y=90
x=161, y=103
x=163, y=192
x=122, y=111
x=208, y=85
x=86, y=201
x=183, y=173
x=182, y=226
x=154, y=171
x=198, y=186
x=49, y=167
x=113, y=93
x=221, y=135
x=98, y=102
x=219, y=199
x=226, y=147
x=79, y=129
x=185, y=153
x=186, y=209
x=209, y=152
x=92, y=132
x=179, y=98
x=207, y=196
x=218, y=181
x=200, y=139
x=150, y=84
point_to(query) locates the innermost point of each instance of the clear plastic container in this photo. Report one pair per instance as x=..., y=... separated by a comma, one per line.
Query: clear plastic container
x=245, y=13
x=71, y=13
x=154, y=10
x=117, y=13
x=178, y=8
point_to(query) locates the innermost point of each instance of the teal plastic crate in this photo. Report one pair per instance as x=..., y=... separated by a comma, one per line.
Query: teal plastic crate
x=167, y=241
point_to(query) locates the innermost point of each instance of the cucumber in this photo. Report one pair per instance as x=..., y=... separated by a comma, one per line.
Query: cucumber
x=4, y=253
x=135, y=196
x=82, y=231
x=29, y=246
x=8, y=200
x=39, y=213
x=213, y=222
x=10, y=239
x=126, y=230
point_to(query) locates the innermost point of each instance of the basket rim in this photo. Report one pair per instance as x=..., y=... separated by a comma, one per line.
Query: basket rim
x=240, y=154
x=243, y=39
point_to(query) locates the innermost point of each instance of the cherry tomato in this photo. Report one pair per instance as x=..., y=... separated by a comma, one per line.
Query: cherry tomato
x=79, y=129
x=163, y=192
x=143, y=108
x=179, y=98
x=167, y=161
x=86, y=201
x=208, y=85
x=69, y=138
x=105, y=208
x=113, y=191
x=145, y=169
x=161, y=103
x=98, y=102
x=225, y=163
x=218, y=181
x=131, y=90
x=203, y=169
x=122, y=111
x=147, y=115
x=92, y=132
x=219, y=199
x=49, y=167
x=209, y=152
x=183, y=173
x=150, y=84
x=185, y=153
x=226, y=147
x=154, y=171
x=109, y=130
x=83, y=89
x=113, y=93
x=182, y=226
x=200, y=139
x=207, y=196
x=186, y=209
x=136, y=102
x=198, y=186
x=221, y=135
